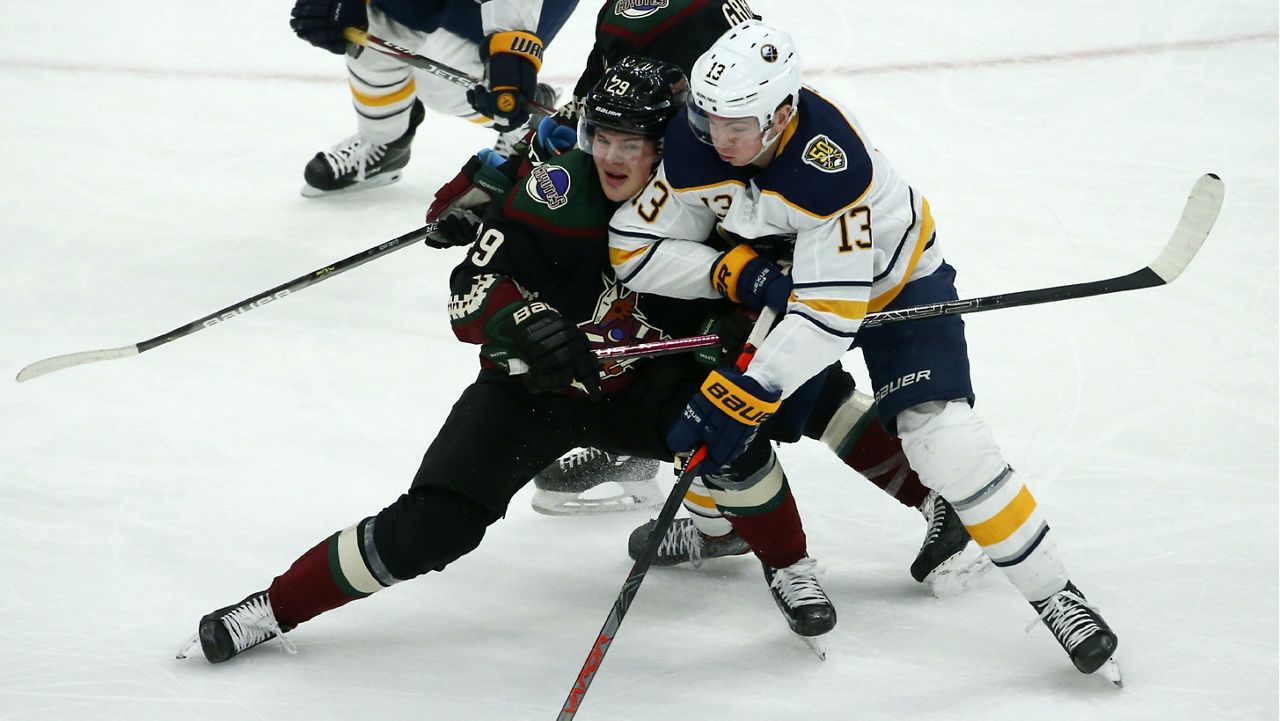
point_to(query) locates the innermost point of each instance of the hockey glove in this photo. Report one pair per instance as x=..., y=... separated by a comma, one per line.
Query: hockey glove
x=513, y=59
x=556, y=350
x=551, y=139
x=457, y=228
x=733, y=330
x=321, y=22
x=486, y=175
x=725, y=415
x=742, y=276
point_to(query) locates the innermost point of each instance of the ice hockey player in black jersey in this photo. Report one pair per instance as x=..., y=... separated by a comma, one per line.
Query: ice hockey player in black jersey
x=590, y=480
x=759, y=156
x=537, y=287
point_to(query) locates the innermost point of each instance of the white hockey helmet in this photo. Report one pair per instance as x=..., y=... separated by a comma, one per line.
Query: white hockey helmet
x=749, y=72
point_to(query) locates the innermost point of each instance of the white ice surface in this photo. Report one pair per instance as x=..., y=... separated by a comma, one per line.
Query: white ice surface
x=153, y=155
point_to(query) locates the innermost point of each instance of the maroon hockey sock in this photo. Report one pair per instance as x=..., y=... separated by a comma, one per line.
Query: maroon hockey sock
x=878, y=456
x=309, y=587
x=775, y=536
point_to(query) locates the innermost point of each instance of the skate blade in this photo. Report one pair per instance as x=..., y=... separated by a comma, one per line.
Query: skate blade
x=1111, y=672
x=376, y=181
x=550, y=503
x=816, y=644
x=957, y=574
x=190, y=646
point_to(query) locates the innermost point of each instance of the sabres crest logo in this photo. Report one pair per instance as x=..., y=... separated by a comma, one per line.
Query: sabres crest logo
x=769, y=53
x=823, y=154
x=549, y=185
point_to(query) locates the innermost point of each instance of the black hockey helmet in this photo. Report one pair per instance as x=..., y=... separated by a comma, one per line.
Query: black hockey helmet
x=638, y=95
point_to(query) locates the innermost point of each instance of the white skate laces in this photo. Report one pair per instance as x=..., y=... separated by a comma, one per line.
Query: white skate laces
x=797, y=584
x=682, y=539
x=934, y=516
x=1067, y=616
x=581, y=457
x=354, y=153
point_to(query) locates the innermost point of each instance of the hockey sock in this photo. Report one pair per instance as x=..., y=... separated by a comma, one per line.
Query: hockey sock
x=702, y=509
x=761, y=508
x=956, y=454
x=331, y=574
x=853, y=431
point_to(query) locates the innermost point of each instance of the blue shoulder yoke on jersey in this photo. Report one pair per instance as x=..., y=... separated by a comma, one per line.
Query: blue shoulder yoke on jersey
x=821, y=166
x=691, y=163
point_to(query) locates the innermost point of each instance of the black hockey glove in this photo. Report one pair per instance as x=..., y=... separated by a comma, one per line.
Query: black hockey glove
x=457, y=228
x=733, y=330
x=513, y=59
x=320, y=22
x=556, y=350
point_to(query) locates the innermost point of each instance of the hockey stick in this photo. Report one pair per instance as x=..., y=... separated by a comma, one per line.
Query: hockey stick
x=1193, y=227
x=638, y=570
x=364, y=39
x=57, y=363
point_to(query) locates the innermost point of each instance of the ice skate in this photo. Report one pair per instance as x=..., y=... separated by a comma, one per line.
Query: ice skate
x=802, y=601
x=684, y=543
x=942, y=562
x=1081, y=631
x=356, y=164
x=575, y=484
x=231, y=630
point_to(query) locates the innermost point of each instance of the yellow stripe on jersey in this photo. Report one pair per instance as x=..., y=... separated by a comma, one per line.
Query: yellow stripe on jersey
x=708, y=186
x=847, y=309
x=618, y=256
x=376, y=101
x=1006, y=522
x=788, y=131
x=926, y=232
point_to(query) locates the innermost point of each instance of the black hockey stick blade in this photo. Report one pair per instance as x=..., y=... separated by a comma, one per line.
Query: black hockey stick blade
x=1198, y=217
x=57, y=363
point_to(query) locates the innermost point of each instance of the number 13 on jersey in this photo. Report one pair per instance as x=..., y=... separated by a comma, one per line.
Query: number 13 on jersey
x=855, y=229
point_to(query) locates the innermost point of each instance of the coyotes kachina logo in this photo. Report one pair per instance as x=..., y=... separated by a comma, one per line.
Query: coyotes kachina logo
x=618, y=321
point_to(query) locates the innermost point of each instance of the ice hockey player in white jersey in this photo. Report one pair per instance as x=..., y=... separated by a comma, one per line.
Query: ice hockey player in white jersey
x=795, y=179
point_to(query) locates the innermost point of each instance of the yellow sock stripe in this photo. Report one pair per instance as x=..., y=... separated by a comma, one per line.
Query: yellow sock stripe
x=694, y=498
x=727, y=270
x=377, y=101
x=739, y=404
x=1006, y=522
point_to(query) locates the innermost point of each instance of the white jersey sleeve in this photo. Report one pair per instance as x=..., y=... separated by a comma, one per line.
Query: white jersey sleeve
x=649, y=244
x=500, y=15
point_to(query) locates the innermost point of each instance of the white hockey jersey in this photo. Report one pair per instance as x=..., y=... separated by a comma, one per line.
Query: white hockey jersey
x=860, y=232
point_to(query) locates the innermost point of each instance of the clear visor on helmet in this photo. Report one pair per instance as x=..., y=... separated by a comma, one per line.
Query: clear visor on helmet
x=723, y=132
x=610, y=145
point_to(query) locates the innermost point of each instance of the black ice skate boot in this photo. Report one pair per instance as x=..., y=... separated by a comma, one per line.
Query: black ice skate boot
x=561, y=488
x=231, y=630
x=945, y=537
x=1080, y=629
x=355, y=164
x=684, y=543
x=796, y=591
